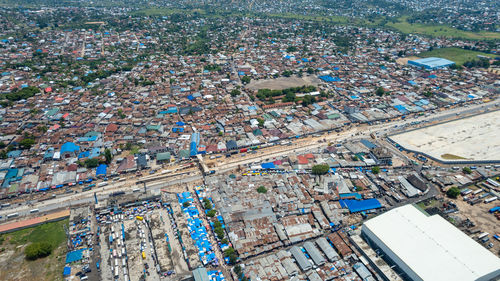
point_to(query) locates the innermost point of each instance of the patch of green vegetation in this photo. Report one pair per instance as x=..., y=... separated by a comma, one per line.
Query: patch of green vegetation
x=332, y=19
x=401, y=24
x=320, y=169
x=453, y=192
x=404, y=26
x=134, y=149
x=261, y=189
x=459, y=56
x=451, y=156
x=52, y=232
x=165, y=12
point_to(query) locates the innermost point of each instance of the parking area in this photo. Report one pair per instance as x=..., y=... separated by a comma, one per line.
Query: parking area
x=137, y=242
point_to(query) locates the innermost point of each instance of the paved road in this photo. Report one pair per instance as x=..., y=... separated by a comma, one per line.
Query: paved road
x=304, y=144
x=88, y=196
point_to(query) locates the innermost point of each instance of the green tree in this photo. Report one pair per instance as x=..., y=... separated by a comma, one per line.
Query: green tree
x=453, y=192
x=235, y=93
x=91, y=163
x=211, y=213
x=42, y=129
x=245, y=79
x=207, y=205
x=261, y=189
x=380, y=91
x=231, y=254
x=38, y=250
x=376, y=170
x=307, y=100
x=467, y=170
x=27, y=143
x=237, y=269
x=220, y=232
x=320, y=169
x=185, y=204
x=261, y=122
x=217, y=224
x=108, y=155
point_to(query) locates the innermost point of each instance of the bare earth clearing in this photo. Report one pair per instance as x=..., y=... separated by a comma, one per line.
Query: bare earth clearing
x=283, y=83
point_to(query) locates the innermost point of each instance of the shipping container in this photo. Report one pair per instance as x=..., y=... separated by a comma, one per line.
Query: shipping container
x=491, y=199
x=482, y=235
x=477, y=191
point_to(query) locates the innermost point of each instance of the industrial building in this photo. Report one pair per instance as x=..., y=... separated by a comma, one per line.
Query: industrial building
x=200, y=274
x=330, y=253
x=301, y=259
x=427, y=247
x=314, y=253
x=431, y=63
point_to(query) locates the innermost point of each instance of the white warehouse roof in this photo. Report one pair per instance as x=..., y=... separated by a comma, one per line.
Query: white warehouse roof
x=431, y=247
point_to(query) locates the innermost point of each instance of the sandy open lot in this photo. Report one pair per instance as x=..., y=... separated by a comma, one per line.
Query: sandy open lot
x=283, y=83
x=473, y=138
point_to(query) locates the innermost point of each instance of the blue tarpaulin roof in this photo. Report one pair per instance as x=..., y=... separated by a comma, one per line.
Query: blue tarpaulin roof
x=66, y=271
x=84, y=154
x=74, y=256
x=328, y=78
x=360, y=205
x=69, y=147
x=269, y=165
x=101, y=170
x=401, y=108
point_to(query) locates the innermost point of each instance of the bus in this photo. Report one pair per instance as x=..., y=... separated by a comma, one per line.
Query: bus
x=102, y=184
x=34, y=211
x=13, y=215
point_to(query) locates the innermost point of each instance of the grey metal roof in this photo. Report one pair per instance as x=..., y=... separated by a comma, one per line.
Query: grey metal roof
x=314, y=253
x=300, y=258
x=327, y=249
x=200, y=274
x=362, y=271
x=314, y=277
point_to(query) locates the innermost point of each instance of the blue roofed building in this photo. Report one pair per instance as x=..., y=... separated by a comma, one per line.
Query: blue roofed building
x=431, y=63
x=69, y=149
x=101, y=170
x=193, y=147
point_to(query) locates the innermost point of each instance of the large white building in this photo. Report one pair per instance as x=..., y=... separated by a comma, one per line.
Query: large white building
x=429, y=248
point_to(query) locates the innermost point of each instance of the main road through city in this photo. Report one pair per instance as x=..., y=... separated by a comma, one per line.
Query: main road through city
x=297, y=146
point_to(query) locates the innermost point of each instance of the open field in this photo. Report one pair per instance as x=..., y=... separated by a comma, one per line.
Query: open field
x=401, y=25
x=283, y=83
x=441, y=30
x=14, y=266
x=473, y=138
x=458, y=55
x=166, y=11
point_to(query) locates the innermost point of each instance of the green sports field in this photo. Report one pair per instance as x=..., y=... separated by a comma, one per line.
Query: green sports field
x=459, y=56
